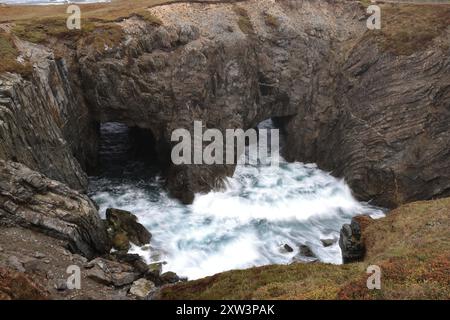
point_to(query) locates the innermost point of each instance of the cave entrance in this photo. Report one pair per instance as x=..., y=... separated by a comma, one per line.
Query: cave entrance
x=127, y=153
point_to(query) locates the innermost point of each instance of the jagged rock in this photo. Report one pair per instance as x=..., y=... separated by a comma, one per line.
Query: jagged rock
x=350, y=240
x=111, y=272
x=31, y=200
x=124, y=228
x=97, y=274
x=123, y=278
x=180, y=71
x=169, y=277
x=120, y=241
x=45, y=123
x=155, y=269
x=141, y=288
x=287, y=248
x=327, y=242
x=233, y=80
x=135, y=260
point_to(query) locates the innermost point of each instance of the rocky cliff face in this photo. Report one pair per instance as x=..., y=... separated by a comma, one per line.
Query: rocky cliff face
x=386, y=128
x=375, y=117
x=44, y=122
x=30, y=200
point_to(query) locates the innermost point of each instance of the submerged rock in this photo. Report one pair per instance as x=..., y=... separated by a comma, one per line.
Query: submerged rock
x=328, y=242
x=306, y=251
x=288, y=248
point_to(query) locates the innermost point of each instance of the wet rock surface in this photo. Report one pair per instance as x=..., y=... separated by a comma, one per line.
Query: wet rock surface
x=351, y=241
x=327, y=242
x=124, y=229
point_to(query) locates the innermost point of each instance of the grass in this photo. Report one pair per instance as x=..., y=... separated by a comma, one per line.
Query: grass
x=411, y=246
x=244, y=21
x=41, y=24
x=365, y=3
x=9, y=55
x=112, y=11
x=406, y=29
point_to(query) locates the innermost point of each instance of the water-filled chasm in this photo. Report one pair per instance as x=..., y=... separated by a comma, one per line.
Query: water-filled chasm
x=262, y=208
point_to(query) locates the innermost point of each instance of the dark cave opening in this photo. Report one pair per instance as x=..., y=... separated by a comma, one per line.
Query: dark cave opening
x=126, y=152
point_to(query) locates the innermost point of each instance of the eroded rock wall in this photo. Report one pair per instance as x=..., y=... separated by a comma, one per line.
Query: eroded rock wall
x=44, y=122
x=376, y=118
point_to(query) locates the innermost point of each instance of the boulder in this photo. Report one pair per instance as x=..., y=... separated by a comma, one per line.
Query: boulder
x=134, y=260
x=155, y=268
x=141, y=288
x=169, y=277
x=327, y=242
x=306, y=251
x=124, y=228
x=351, y=241
x=111, y=272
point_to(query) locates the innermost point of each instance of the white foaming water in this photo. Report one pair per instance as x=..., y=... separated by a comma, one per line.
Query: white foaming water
x=246, y=225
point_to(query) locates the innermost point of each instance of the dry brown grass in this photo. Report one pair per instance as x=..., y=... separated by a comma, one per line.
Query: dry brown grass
x=104, y=11
x=409, y=28
x=39, y=24
x=9, y=55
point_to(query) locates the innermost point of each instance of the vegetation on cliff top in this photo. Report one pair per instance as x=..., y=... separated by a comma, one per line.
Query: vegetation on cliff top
x=411, y=246
x=39, y=24
x=9, y=57
x=406, y=29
